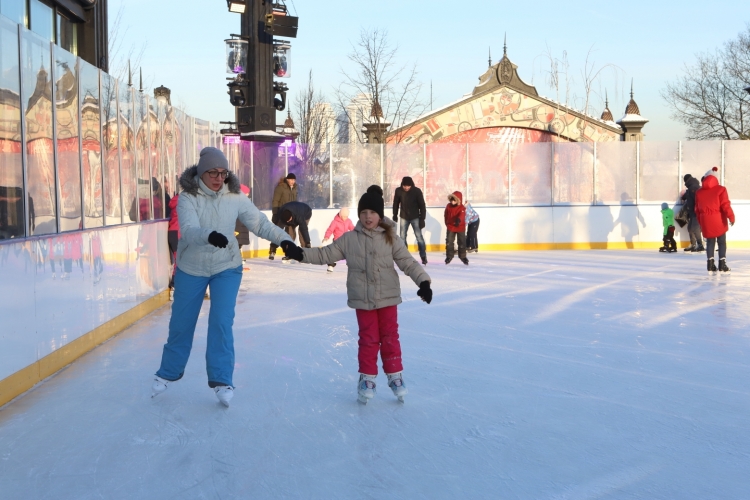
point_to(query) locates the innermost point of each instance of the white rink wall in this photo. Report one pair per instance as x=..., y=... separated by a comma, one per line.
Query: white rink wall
x=56, y=289
x=539, y=228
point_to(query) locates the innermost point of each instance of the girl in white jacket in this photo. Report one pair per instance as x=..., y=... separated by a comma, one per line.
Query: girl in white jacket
x=373, y=288
x=208, y=209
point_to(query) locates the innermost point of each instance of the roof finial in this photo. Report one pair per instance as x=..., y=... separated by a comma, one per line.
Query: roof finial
x=631, y=88
x=489, y=58
x=130, y=75
x=606, y=99
x=141, y=72
x=505, y=45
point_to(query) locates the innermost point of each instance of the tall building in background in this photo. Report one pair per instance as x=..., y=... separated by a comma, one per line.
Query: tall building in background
x=353, y=119
x=323, y=114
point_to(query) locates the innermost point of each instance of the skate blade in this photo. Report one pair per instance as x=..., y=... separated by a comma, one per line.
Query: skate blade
x=401, y=399
x=362, y=400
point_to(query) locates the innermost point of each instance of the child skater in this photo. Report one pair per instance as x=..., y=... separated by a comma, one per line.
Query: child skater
x=472, y=226
x=340, y=224
x=667, y=220
x=373, y=288
x=714, y=210
x=455, y=222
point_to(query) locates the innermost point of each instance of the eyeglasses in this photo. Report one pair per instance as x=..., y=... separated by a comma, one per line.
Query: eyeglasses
x=218, y=173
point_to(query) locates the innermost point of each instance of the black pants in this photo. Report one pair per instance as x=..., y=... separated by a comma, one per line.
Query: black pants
x=450, y=237
x=471, y=235
x=669, y=242
x=292, y=232
x=694, y=230
x=711, y=245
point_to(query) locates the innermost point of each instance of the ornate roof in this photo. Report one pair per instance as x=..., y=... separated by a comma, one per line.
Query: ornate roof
x=607, y=114
x=632, y=107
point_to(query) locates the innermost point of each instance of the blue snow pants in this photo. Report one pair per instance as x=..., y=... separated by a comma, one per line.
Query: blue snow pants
x=188, y=298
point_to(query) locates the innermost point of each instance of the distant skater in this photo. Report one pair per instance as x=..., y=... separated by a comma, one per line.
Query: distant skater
x=667, y=220
x=713, y=209
x=373, y=288
x=340, y=224
x=208, y=256
x=455, y=222
x=472, y=227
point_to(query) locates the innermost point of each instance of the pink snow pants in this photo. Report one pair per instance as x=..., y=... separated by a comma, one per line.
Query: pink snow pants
x=378, y=331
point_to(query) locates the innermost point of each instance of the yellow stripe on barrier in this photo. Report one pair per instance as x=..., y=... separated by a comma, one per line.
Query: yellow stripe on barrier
x=24, y=379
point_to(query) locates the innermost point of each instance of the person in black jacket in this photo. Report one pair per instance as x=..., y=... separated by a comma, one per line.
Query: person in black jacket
x=292, y=215
x=410, y=199
x=694, y=228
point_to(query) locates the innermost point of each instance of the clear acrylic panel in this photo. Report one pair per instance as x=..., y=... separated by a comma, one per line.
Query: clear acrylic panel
x=91, y=141
x=127, y=151
x=36, y=87
x=616, y=173
x=110, y=151
x=310, y=163
x=698, y=157
x=170, y=172
x=142, y=209
x=156, y=157
x=531, y=174
x=179, y=146
x=355, y=168
x=402, y=160
x=268, y=171
x=659, y=172
x=67, y=128
x=737, y=170
x=446, y=172
x=202, y=137
x=488, y=174
x=574, y=172
x=12, y=223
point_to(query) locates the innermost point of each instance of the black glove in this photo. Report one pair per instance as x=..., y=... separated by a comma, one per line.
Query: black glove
x=457, y=222
x=395, y=218
x=425, y=292
x=421, y=223
x=218, y=240
x=292, y=251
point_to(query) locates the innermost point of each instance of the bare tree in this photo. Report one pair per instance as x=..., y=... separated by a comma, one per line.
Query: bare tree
x=123, y=61
x=377, y=78
x=591, y=75
x=709, y=96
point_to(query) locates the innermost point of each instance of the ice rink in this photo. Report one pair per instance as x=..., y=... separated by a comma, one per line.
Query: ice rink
x=558, y=374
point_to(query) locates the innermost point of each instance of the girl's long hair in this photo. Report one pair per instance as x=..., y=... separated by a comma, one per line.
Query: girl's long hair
x=389, y=233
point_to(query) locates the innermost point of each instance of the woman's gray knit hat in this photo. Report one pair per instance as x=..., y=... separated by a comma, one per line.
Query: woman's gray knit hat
x=210, y=159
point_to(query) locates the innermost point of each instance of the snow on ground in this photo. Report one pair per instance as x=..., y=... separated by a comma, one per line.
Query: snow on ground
x=568, y=374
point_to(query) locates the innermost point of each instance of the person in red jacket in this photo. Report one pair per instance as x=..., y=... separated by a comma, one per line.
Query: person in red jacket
x=455, y=222
x=713, y=209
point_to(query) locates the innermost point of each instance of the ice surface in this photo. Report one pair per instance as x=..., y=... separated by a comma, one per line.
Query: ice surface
x=568, y=374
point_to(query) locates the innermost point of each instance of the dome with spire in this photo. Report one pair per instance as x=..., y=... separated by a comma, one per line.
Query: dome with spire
x=607, y=114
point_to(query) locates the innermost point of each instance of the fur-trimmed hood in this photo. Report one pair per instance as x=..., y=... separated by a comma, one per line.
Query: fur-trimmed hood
x=189, y=181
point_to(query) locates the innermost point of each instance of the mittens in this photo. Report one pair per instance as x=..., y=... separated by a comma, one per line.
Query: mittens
x=291, y=250
x=395, y=218
x=425, y=292
x=218, y=240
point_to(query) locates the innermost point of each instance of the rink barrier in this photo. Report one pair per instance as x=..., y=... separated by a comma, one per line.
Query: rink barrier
x=26, y=378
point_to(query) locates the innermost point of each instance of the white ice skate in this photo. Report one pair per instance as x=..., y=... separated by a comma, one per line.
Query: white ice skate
x=225, y=394
x=330, y=268
x=160, y=385
x=365, y=388
x=396, y=383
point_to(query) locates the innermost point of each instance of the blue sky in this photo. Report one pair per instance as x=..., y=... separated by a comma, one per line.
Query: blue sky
x=649, y=41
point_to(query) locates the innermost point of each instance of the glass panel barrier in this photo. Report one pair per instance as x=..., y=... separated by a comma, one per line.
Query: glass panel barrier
x=127, y=151
x=697, y=158
x=616, y=173
x=401, y=160
x=574, y=172
x=268, y=172
x=737, y=170
x=67, y=137
x=112, y=199
x=531, y=174
x=36, y=88
x=142, y=208
x=355, y=168
x=179, y=146
x=310, y=163
x=156, y=157
x=446, y=172
x=659, y=171
x=12, y=224
x=488, y=174
x=91, y=146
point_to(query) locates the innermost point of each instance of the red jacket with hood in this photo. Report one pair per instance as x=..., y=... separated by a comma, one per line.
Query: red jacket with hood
x=713, y=208
x=453, y=212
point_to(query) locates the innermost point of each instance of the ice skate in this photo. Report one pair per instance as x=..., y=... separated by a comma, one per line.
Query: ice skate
x=330, y=268
x=711, y=266
x=286, y=260
x=465, y=261
x=365, y=388
x=663, y=249
x=396, y=383
x=424, y=261
x=723, y=268
x=448, y=260
x=224, y=393
x=160, y=385
x=699, y=248
x=689, y=248
x=271, y=255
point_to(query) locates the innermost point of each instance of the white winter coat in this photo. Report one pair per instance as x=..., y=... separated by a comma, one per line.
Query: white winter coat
x=371, y=281
x=201, y=211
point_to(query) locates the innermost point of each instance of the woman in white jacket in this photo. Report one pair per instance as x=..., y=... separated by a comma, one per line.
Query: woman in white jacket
x=208, y=208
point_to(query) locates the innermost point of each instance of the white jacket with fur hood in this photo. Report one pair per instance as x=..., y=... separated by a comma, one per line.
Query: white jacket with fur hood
x=201, y=211
x=371, y=282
